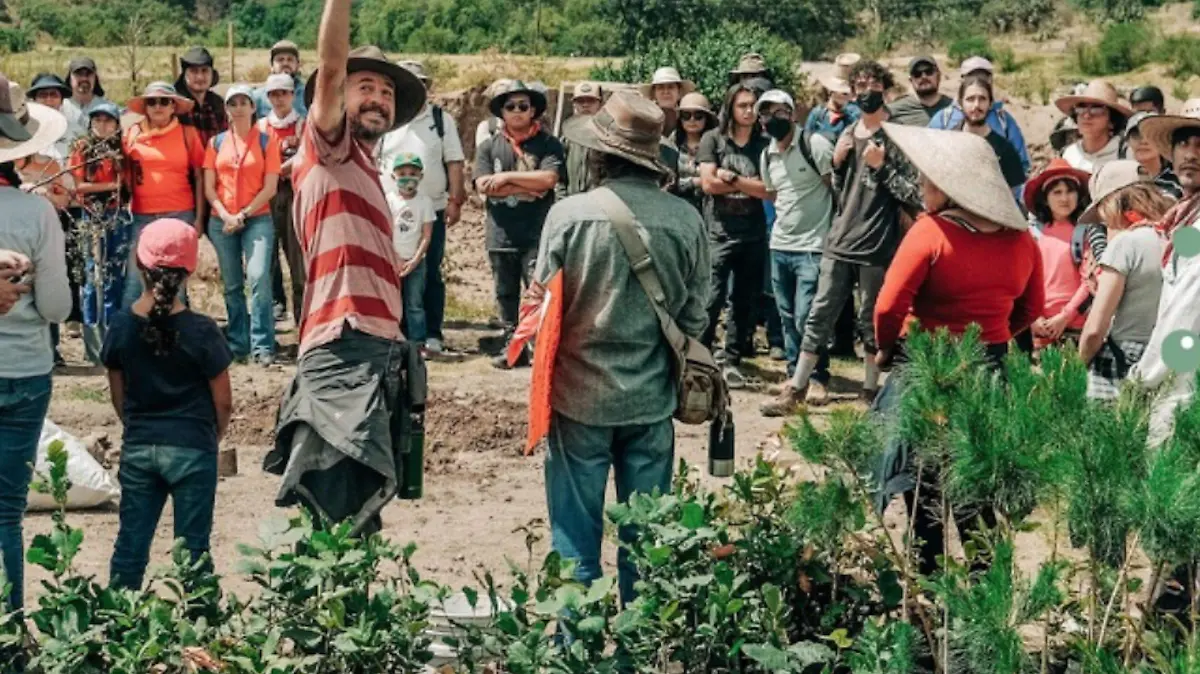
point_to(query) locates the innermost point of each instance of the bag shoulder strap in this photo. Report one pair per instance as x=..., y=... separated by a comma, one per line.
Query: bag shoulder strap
x=439, y=119
x=218, y=140
x=806, y=149
x=641, y=263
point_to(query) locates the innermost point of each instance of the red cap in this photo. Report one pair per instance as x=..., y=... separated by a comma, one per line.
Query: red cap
x=168, y=243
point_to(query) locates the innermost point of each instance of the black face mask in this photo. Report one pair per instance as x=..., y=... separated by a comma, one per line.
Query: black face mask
x=870, y=101
x=778, y=128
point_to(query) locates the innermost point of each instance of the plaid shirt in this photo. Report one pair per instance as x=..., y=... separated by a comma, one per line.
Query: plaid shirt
x=208, y=117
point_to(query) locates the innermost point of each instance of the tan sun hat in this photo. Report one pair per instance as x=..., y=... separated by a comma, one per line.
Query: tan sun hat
x=1159, y=128
x=1099, y=92
x=183, y=105
x=1110, y=179
x=750, y=64
x=26, y=128
x=588, y=90
x=964, y=166
x=628, y=126
x=667, y=75
x=697, y=101
x=839, y=82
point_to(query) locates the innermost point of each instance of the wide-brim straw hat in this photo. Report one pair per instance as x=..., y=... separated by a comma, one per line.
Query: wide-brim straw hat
x=835, y=84
x=667, y=75
x=1098, y=92
x=628, y=126
x=410, y=94
x=183, y=105
x=964, y=166
x=1110, y=179
x=26, y=128
x=697, y=102
x=1058, y=168
x=1159, y=129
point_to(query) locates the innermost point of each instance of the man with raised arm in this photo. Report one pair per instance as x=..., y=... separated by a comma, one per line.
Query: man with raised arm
x=337, y=444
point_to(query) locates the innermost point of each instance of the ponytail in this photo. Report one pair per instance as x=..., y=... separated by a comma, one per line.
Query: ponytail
x=164, y=283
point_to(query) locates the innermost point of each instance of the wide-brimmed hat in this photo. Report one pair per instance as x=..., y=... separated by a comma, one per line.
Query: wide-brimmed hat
x=750, y=64
x=183, y=104
x=512, y=87
x=47, y=81
x=697, y=102
x=628, y=126
x=1158, y=130
x=964, y=166
x=839, y=82
x=285, y=47
x=1098, y=92
x=410, y=93
x=82, y=63
x=667, y=75
x=1110, y=179
x=26, y=128
x=415, y=67
x=1056, y=169
x=588, y=90
x=199, y=56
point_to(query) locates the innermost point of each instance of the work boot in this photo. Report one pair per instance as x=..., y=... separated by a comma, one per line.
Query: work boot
x=818, y=394
x=787, y=403
x=501, y=362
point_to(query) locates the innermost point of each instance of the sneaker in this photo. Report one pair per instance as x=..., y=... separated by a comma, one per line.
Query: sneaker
x=280, y=312
x=264, y=359
x=734, y=379
x=434, y=346
x=818, y=394
x=785, y=404
x=778, y=354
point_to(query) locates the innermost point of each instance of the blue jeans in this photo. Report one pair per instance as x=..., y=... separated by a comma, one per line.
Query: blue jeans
x=413, y=287
x=794, y=277
x=99, y=304
x=252, y=332
x=133, y=278
x=435, y=285
x=23, y=405
x=577, y=466
x=148, y=474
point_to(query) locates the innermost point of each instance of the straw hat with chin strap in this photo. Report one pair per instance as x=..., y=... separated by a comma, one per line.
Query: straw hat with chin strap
x=1159, y=129
x=1098, y=92
x=963, y=166
x=628, y=126
x=26, y=128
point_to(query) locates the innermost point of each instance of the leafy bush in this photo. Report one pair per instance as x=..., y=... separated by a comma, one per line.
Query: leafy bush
x=975, y=45
x=1182, y=55
x=706, y=59
x=14, y=40
x=1119, y=10
x=1122, y=48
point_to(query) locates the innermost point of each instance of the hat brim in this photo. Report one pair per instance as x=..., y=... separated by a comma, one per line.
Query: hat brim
x=585, y=132
x=1159, y=129
x=44, y=127
x=696, y=108
x=1067, y=104
x=835, y=85
x=1034, y=185
x=537, y=98
x=183, y=105
x=62, y=89
x=938, y=154
x=1091, y=215
x=410, y=93
x=685, y=87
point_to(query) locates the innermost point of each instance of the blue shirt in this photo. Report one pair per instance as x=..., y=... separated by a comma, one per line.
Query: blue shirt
x=168, y=400
x=819, y=121
x=263, y=105
x=1000, y=121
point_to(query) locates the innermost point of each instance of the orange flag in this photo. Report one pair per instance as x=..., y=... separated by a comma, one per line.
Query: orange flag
x=541, y=317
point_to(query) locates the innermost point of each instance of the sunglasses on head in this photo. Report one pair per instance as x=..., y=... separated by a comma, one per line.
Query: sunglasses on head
x=163, y=102
x=691, y=115
x=521, y=106
x=924, y=72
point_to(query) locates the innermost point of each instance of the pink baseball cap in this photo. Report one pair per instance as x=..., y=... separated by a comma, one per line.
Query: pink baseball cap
x=168, y=242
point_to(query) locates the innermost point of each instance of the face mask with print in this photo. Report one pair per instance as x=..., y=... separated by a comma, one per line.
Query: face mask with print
x=870, y=101
x=407, y=184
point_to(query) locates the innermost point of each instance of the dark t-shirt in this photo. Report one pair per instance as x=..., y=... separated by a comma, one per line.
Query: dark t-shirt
x=1010, y=161
x=866, y=230
x=515, y=223
x=909, y=110
x=167, y=398
x=733, y=216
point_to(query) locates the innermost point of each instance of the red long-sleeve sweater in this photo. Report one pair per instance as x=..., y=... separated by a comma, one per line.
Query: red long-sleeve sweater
x=946, y=275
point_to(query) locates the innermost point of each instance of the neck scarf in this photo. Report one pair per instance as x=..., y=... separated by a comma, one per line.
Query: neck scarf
x=516, y=140
x=277, y=123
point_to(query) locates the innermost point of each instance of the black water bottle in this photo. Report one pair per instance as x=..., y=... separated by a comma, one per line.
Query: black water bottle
x=720, y=446
x=412, y=481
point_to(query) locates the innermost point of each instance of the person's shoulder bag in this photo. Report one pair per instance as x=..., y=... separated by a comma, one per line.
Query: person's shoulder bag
x=702, y=394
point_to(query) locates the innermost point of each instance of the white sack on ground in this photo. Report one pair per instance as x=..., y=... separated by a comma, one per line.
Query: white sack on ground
x=91, y=485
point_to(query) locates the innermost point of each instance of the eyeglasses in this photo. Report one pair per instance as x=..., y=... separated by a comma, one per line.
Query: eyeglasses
x=690, y=115
x=159, y=102
x=781, y=113
x=924, y=72
x=1090, y=109
x=517, y=107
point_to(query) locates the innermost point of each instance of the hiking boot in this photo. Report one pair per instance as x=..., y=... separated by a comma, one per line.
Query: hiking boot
x=818, y=394
x=264, y=359
x=501, y=362
x=787, y=403
x=734, y=379
x=778, y=354
x=434, y=347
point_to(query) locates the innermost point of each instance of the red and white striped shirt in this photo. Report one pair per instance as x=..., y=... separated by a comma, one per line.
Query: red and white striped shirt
x=342, y=221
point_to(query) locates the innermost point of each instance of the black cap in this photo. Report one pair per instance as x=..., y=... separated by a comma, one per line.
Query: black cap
x=1147, y=95
x=922, y=60
x=43, y=81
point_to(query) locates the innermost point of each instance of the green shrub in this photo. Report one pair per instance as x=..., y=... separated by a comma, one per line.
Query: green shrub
x=1181, y=53
x=14, y=40
x=708, y=58
x=975, y=45
x=1118, y=10
x=1122, y=48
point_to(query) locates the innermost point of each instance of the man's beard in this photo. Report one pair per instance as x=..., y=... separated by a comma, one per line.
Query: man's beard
x=928, y=91
x=982, y=122
x=84, y=88
x=368, y=135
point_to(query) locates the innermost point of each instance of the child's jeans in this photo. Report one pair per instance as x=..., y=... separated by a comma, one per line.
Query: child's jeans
x=148, y=474
x=412, y=287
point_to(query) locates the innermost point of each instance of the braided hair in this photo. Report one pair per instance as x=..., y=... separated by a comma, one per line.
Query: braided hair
x=164, y=283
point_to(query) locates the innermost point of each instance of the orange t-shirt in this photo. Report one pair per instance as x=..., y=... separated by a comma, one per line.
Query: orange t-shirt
x=162, y=162
x=242, y=168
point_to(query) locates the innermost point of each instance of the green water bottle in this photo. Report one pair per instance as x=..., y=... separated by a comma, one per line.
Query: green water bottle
x=412, y=481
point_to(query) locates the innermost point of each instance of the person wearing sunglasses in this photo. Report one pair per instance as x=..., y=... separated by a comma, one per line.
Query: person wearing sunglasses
x=695, y=119
x=1101, y=117
x=516, y=171
x=926, y=100
x=166, y=160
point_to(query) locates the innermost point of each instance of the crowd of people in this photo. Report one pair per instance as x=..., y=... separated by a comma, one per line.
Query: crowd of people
x=877, y=210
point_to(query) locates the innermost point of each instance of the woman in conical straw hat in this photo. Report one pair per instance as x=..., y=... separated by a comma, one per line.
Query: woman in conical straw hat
x=945, y=275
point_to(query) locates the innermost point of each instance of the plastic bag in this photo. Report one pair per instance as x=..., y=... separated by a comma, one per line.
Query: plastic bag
x=91, y=485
